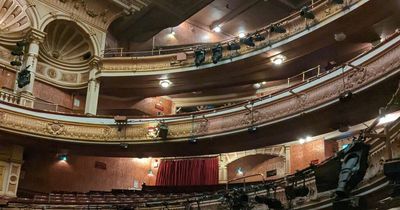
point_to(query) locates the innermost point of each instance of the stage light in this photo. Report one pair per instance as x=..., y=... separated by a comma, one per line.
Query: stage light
x=233, y=46
x=345, y=96
x=24, y=77
x=292, y=192
x=272, y=203
x=252, y=129
x=16, y=63
x=308, y=139
x=278, y=60
x=302, y=141
x=258, y=37
x=217, y=29
x=193, y=140
x=257, y=86
x=163, y=130
x=200, y=56
x=353, y=169
x=307, y=13
x=62, y=157
x=19, y=48
x=276, y=28
x=248, y=41
x=165, y=83
x=216, y=53
x=242, y=35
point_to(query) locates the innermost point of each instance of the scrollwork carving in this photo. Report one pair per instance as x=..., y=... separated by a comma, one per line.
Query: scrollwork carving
x=55, y=128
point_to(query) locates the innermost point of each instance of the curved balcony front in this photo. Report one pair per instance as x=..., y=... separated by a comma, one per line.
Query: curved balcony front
x=365, y=76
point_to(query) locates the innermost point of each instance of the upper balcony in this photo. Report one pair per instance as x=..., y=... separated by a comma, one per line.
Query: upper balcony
x=321, y=102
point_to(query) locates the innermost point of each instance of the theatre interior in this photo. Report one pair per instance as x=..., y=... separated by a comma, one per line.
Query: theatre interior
x=200, y=104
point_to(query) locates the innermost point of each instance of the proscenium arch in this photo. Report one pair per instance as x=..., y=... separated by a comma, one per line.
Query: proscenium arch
x=49, y=18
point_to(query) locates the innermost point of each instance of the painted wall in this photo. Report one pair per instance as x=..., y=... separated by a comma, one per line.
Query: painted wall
x=301, y=155
x=65, y=98
x=146, y=107
x=256, y=164
x=45, y=173
x=7, y=79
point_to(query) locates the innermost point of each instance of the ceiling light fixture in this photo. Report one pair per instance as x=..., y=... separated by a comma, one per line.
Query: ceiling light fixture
x=256, y=85
x=172, y=32
x=217, y=29
x=242, y=34
x=278, y=60
x=165, y=83
x=302, y=141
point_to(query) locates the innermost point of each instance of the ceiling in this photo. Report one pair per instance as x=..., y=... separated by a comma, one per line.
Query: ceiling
x=317, y=48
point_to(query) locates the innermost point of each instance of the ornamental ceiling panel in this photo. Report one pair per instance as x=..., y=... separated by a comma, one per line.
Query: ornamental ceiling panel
x=13, y=19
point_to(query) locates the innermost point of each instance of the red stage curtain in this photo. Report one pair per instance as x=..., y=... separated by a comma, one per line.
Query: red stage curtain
x=186, y=172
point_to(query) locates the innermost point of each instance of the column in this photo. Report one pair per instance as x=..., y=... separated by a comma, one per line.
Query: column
x=35, y=37
x=10, y=168
x=287, y=160
x=92, y=96
x=223, y=170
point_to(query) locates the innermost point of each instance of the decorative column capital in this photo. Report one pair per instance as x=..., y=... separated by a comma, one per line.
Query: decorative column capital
x=95, y=63
x=36, y=36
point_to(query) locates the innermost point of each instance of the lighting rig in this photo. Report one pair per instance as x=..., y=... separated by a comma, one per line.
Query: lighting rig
x=200, y=56
x=24, y=75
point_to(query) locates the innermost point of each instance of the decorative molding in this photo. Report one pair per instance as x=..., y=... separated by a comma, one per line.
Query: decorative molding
x=384, y=63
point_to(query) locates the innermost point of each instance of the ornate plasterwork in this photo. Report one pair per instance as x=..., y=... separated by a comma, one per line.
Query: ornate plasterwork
x=294, y=24
x=91, y=12
x=66, y=43
x=13, y=19
x=373, y=69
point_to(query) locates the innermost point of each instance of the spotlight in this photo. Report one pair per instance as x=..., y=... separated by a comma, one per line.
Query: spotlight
x=193, y=140
x=345, y=96
x=24, y=77
x=307, y=13
x=16, y=63
x=165, y=83
x=292, y=192
x=200, y=56
x=258, y=37
x=252, y=129
x=19, y=48
x=278, y=60
x=123, y=145
x=242, y=35
x=233, y=46
x=256, y=86
x=302, y=141
x=354, y=166
x=62, y=157
x=272, y=203
x=216, y=53
x=217, y=29
x=248, y=41
x=276, y=28
x=163, y=130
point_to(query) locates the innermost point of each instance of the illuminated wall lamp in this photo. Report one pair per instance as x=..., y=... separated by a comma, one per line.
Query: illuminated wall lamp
x=165, y=83
x=278, y=60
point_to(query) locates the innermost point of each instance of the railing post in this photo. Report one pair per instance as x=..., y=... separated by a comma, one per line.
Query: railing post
x=318, y=70
x=304, y=76
x=120, y=51
x=288, y=82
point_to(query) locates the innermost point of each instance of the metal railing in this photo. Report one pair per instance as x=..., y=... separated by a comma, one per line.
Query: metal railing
x=313, y=5
x=305, y=75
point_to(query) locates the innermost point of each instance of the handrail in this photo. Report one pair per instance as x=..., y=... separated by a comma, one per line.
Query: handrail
x=244, y=178
x=262, y=30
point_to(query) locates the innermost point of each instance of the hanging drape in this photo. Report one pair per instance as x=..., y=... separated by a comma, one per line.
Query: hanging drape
x=186, y=172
